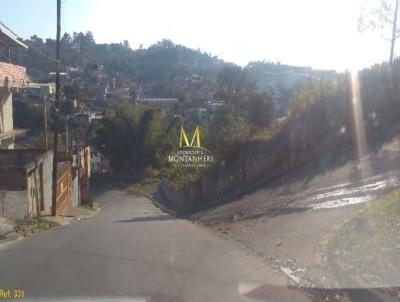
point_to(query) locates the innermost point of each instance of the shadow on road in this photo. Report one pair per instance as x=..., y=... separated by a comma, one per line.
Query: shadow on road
x=282, y=293
x=149, y=218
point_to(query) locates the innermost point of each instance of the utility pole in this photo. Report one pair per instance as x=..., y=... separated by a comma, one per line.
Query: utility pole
x=56, y=109
x=44, y=103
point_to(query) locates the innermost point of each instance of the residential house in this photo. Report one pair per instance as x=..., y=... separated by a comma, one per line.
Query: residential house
x=83, y=119
x=159, y=102
x=11, y=77
x=26, y=182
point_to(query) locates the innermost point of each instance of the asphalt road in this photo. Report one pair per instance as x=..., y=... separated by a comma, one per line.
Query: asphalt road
x=132, y=249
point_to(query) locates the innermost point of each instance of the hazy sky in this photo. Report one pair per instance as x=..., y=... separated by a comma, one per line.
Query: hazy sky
x=317, y=33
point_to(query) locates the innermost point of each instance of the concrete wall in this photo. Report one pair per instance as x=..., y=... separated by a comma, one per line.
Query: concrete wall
x=6, y=110
x=31, y=171
x=34, y=185
x=19, y=158
x=84, y=172
x=12, y=179
x=47, y=180
x=42, y=164
x=13, y=204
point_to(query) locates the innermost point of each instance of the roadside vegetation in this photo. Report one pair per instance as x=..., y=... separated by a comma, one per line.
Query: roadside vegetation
x=30, y=226
x=366, y=251
x=137, y=140
x=318, y=125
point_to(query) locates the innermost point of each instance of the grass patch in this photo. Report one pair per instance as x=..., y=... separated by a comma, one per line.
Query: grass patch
x=146, y=187
x=367, y=248
x=153, y=179
x=86, y=207
x=88, y=200
x=89, y=203
x=388, y=206
x=178, y=177
x=31, y=226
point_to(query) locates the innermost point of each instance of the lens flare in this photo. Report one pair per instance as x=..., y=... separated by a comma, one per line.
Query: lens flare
x=359, y=127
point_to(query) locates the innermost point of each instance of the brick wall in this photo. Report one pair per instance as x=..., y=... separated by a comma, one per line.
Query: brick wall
x=12, y=76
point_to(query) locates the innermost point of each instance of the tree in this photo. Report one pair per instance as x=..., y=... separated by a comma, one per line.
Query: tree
x=260, y=111
x=66, y=40
x=246, y=108
x=126, y=44
x=234, y=87
x=132, y=140
x=383, y=18
x=27, y=115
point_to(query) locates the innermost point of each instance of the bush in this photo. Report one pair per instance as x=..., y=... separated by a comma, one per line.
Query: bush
x=88, y=200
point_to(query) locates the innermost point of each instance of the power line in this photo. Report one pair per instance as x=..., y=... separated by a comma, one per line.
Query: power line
x=31, y=45
x=63, y=18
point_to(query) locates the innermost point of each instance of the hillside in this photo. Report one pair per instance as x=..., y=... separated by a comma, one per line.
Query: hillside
x=164, y=69
x=160, y=70
x=280, y=80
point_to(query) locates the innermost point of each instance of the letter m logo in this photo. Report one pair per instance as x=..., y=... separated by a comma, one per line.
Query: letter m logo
x=184, y=142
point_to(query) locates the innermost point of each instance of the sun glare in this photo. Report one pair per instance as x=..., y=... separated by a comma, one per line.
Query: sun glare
x=358, y=121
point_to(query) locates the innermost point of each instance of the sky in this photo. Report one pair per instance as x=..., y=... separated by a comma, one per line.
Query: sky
x=322, y=34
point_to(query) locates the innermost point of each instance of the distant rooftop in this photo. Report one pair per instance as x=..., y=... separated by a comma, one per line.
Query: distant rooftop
x=158, y=99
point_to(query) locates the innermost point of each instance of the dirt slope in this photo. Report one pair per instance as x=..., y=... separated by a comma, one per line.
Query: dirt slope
x=288, y=222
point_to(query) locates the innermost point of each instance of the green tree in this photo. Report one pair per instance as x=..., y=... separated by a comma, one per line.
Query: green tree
x=260, y=110
x=133, y=140
x=245, y=109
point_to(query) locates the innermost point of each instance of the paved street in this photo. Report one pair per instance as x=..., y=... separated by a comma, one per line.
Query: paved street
x=132, y=249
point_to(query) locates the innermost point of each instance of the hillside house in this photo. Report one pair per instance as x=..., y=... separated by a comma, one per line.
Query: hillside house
x=11, y=77
x=159, y=102
x=26, y=183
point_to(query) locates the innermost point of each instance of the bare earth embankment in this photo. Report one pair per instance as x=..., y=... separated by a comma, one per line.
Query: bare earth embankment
x=295, y=222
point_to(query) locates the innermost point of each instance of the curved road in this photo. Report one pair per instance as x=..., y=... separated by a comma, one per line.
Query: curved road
x=132, y=249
